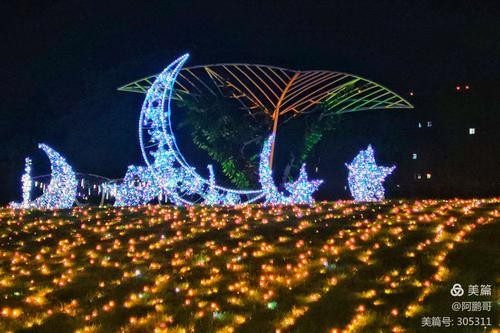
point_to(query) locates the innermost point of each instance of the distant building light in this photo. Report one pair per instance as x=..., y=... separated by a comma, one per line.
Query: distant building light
x=316, y=169
x=472, y=131
x=418, y=176
x=457, y=88
x=428, y=175
x=414, y=156
x=419, y=125
x=429, y=124
x=466, y=87
x=411, y=93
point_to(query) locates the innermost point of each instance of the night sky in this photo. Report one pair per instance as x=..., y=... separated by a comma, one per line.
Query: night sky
x=63, y=60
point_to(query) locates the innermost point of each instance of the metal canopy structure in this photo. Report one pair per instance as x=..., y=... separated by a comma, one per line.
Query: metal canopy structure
x=280, y=93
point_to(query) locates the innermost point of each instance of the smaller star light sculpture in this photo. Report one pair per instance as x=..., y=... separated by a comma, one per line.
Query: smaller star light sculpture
x=301, y=190
x=366, y=177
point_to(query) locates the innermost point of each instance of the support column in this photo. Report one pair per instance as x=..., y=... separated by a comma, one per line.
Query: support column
x=276, y=115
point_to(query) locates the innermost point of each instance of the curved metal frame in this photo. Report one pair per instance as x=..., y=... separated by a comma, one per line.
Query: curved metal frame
x=279, y=92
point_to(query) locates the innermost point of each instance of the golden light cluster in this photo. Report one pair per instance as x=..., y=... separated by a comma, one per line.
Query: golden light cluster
x=171, y=269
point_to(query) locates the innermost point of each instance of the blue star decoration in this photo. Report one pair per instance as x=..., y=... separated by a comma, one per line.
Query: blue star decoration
x=301, y=190
x=366, y=177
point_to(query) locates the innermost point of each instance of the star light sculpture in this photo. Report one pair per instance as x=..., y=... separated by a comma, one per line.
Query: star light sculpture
x=366, y=177
x=302, y=190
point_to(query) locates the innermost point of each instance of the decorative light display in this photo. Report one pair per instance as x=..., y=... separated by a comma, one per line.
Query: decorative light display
x=198, y=268
x=166, y=268
x=366, y=177
x=60, y=192
x=169, y=175
x=300, y=191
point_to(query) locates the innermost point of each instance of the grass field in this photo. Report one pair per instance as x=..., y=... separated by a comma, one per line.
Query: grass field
x=333, y=267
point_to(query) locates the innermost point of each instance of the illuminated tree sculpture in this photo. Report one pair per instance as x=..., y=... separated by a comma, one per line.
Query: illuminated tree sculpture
x=366, y=177
x=27, y=182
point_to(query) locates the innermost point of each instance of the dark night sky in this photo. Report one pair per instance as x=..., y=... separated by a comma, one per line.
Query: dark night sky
x=63, y=60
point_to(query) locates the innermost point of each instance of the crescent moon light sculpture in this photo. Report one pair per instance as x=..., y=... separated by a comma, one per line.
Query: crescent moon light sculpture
x=162, y=155
x=60, y=192
x=170, y=176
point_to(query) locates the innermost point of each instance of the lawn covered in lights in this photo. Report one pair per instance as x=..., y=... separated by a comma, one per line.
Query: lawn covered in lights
x=332, y=266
